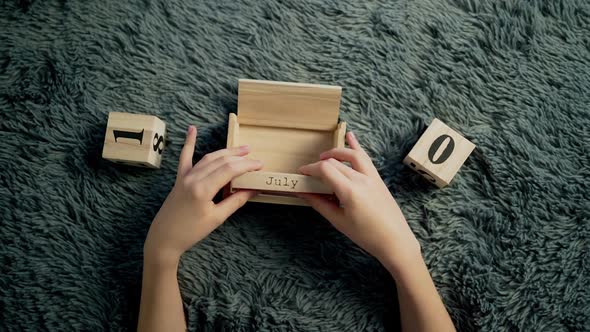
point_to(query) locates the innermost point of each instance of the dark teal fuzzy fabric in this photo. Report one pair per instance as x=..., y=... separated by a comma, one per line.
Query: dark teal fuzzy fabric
x=507, y=242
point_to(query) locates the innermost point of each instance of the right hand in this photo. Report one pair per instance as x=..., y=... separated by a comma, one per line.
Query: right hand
x=189, y=214
x=367, y=212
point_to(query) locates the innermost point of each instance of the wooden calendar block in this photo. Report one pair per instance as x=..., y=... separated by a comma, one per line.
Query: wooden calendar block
x=134, y=139
x=273, y=181
x=287, y=125
x=439, y=153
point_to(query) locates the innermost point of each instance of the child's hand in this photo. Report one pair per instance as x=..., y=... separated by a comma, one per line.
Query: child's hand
x=368, y=214
x=188, y=215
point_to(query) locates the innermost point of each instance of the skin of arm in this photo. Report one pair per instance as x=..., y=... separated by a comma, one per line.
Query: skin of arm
x=187, y=216
x=368, y=214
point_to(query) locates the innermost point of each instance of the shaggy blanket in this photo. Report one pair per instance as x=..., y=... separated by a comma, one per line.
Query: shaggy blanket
x=507, y=242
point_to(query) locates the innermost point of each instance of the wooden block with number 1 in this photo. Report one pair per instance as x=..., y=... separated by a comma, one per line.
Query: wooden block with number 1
x=134, y=139
x=439, y=153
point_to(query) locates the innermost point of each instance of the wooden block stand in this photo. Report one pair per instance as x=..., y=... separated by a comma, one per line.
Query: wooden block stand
x=287, y=125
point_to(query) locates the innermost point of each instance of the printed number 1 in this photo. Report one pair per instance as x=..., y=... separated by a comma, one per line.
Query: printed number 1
x=128, y=134
x=158, y=141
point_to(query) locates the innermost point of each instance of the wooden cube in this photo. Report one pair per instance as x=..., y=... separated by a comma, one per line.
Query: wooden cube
x=439, y=153
x=134, y=139
x=287, y=125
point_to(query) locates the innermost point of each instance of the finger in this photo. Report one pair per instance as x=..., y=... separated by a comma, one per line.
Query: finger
x=353, y=142
x=233, y=202
x=329, y=175
x=185, y=162
x=347, y=171
x=210, y=157
x=326, y=207
x=226, y=172
x=360, y=162
x=206, y=170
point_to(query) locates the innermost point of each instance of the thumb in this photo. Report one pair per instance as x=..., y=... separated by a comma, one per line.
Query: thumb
x=233, y=202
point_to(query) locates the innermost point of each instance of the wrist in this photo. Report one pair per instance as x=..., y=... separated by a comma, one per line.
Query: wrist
x=400, y=266
x=160, y=258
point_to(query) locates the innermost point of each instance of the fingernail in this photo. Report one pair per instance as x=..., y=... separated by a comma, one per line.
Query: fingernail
x=191, y=129
x=245, y=147
x=352, y=134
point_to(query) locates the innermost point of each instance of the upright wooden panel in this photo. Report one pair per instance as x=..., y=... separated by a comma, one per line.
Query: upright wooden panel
x=288, y=105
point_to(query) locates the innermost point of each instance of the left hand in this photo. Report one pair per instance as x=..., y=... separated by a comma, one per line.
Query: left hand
x=366, y=212
x=189, y=214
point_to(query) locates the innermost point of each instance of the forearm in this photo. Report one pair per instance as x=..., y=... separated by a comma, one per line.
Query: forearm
x=161, y=304
x=421, y=308
x=187, y=216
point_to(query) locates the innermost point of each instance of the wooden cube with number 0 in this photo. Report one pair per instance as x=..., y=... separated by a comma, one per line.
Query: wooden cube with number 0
x=439, y=153
x=134, y=139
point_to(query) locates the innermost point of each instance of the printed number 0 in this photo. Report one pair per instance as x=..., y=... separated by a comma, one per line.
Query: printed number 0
x=446, y=152
x=158, y=143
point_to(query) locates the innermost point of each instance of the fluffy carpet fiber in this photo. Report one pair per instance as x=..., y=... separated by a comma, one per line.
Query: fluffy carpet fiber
x=507, y=242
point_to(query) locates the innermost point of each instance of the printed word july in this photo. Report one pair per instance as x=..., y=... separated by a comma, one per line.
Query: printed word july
x=274, y=181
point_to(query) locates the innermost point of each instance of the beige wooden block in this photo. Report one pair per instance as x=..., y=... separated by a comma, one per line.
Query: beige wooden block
x=286, y=125
x=282, y=182
x=277, y=198
x=439, y=153
x=134, y=139
x=289, y=105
